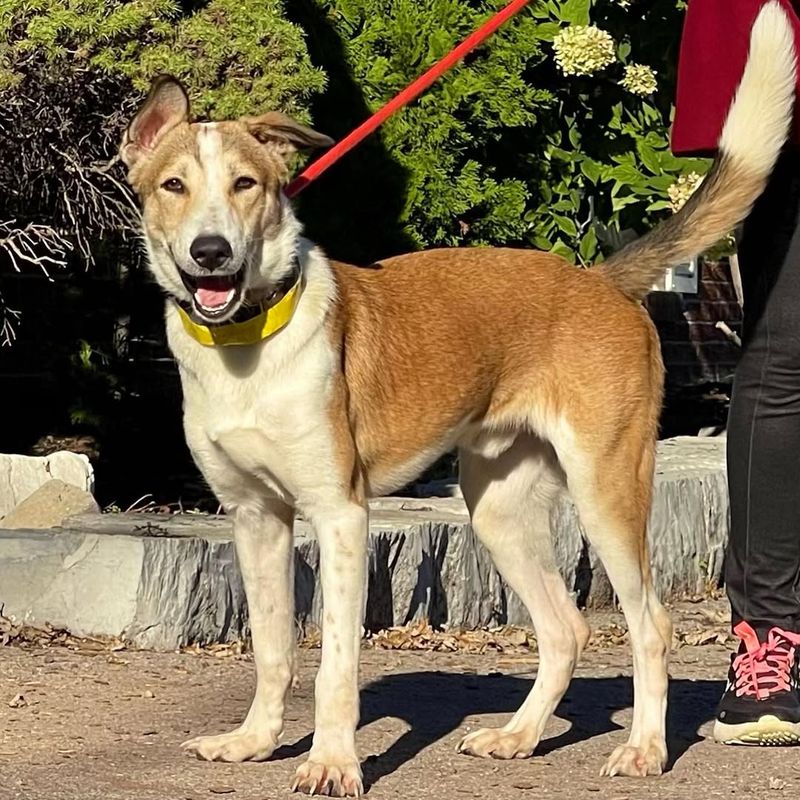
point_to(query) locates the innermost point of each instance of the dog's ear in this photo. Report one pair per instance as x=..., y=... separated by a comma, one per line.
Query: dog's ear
x=166, y=106
x=284, y=134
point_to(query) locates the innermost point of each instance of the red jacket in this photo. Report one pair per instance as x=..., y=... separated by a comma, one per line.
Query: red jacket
x=714, y=47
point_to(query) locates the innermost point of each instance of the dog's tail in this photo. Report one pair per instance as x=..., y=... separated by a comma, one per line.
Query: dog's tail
x=755, y=131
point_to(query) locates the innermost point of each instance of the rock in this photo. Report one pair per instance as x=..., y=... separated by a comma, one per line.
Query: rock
x=21, y=476
x=49, y=506
x=166, y=581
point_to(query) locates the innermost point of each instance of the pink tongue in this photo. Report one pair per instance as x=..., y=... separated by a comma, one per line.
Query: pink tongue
x=211, y=298
x=213, y=292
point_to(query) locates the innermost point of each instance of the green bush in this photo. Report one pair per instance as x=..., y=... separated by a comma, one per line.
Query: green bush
x=233, y=54
x=506, y=148
x=71, y=75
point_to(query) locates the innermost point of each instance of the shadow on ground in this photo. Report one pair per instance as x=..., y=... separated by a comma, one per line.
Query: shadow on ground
x=435, y=704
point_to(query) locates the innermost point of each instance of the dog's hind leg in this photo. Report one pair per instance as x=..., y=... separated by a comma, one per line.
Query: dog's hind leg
x=265, y=549
x=610, y=481
x=509, y=499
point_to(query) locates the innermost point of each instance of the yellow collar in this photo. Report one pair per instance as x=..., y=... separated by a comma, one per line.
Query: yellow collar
x=251, y=331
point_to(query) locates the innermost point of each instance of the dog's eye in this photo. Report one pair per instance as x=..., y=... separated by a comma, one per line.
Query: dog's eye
x=173, y=185
x=243, y=183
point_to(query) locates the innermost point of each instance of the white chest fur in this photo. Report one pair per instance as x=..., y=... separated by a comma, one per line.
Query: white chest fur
x=257, y=418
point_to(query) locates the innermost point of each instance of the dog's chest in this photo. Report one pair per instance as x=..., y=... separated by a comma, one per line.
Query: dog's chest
x=256, y=425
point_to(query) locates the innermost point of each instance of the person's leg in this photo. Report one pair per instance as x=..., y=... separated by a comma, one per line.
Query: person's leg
x=763, y=555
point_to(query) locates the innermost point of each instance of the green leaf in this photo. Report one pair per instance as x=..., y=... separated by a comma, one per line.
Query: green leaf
x=566, y=225
x=588, y=246
x=660, y=183
x=618, y=203
x=565, y=155
x=591, y=169
x=576, y=12
x=650, y=158
x=563, y=250
x=624, y=158
x=546, y=31
x=627, y=174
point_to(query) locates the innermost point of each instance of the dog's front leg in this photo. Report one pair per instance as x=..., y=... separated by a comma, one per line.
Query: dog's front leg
x=265, y=548
x=333, y=767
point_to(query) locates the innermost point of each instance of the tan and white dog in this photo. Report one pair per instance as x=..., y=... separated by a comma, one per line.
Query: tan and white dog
x=311, y=386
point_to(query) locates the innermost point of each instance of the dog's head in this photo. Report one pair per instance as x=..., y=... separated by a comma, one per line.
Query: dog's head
x=217, y=226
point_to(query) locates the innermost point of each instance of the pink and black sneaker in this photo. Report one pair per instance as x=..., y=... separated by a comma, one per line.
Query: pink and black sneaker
x=761, y=704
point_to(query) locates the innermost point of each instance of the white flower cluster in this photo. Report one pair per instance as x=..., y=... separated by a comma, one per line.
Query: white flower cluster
x=583, y=49
x=639, y=79
x=683, y=189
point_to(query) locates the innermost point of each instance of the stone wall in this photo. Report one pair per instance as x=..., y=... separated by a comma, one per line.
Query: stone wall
x=166, y=581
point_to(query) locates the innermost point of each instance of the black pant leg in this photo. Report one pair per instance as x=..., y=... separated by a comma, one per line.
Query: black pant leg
x=763, y=556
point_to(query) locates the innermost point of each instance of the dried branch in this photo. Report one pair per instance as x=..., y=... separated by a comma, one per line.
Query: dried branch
x=59, y=132
x=37, y=245
x=62, y=189
x=32, y=245
x=9, y=318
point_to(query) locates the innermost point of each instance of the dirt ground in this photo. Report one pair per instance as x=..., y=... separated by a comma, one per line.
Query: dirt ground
x=78, y=726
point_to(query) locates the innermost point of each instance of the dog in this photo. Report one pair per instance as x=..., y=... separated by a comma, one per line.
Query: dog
x=311, y=386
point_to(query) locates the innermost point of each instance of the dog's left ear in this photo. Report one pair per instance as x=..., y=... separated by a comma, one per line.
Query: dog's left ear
x=284, y=134
x=166, y=106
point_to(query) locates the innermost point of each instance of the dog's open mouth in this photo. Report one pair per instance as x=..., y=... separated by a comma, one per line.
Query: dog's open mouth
x=213, y=296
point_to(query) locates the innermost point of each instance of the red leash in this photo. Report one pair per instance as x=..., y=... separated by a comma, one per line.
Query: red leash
x=313, y=171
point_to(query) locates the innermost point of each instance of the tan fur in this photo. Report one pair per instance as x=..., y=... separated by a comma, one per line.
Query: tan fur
x=723, y=200
x=545, y=377
x=177, y=156
x=434, y=346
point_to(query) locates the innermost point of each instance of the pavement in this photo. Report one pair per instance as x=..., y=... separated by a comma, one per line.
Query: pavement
x=80, y=723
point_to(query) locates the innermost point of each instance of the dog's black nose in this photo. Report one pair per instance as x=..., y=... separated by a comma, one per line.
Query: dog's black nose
x=210, y=252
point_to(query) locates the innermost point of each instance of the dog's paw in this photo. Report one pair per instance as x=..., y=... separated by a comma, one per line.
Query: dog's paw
x=236, y=746
x=497, y=743
x=331, y=780
x=636, y=762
